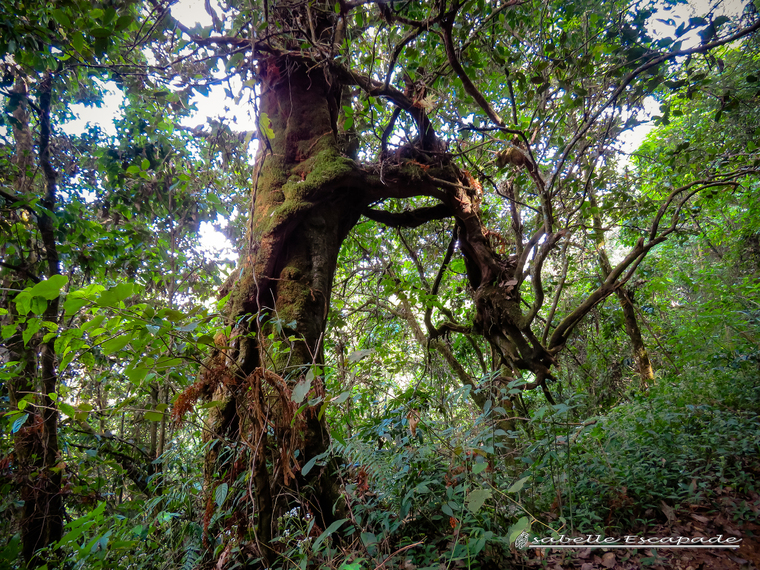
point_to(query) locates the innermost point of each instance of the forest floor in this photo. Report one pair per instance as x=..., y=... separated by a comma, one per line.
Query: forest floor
x=730, y=514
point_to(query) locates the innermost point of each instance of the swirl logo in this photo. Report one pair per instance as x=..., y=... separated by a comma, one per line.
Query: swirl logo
x=522, y=540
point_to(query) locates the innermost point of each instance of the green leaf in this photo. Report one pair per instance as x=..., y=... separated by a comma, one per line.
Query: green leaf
x=300, y=390
x=330, y=529
x=518, y=485
x=61, y=17
x=368, y=538
x=72, y=304
x=517, y=529
x=101, y=32
x=136, y=373
x=77, y=41
x=309, y=465
x=20, y=421
x=153, y=416
x=265, y=124
x=171, y=315
x=113, y=296
x=32, y=326
x=342, y=397
x=93, y=323
x=50, y=288
x=123, y=22
x=115, y=344
x=189, y=327
x=67, y=409
x=357, y=355
x=477, y=498
x=479, y=467
x=221, y=494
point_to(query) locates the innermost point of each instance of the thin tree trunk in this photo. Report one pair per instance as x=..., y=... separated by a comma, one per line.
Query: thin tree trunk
x=36, y=451
x=625, y=297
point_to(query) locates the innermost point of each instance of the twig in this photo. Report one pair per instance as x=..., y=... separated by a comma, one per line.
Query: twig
x=399, y=551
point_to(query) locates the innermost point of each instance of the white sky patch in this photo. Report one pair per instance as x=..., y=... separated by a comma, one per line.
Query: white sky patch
x=215, y=242
x=192, y=12
x=103, y=116
x=239, y=116
x=632, y=139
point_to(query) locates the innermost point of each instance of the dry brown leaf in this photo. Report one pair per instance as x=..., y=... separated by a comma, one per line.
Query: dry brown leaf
x=668, y=511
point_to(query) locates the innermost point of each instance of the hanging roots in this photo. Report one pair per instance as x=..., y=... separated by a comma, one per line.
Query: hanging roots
x=265, y=398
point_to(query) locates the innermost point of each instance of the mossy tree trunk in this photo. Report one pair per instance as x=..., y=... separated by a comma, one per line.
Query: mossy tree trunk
x=308, y=194
x=307, y=197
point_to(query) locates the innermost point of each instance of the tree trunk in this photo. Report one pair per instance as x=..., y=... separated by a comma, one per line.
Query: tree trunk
x=38, y=470
x=304, y=204
x=625, y=297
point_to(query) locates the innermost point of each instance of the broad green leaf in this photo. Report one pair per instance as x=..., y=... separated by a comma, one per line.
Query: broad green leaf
x=114, y=295
x=477, y=498
x=136, y=373
x=265, y=123
x=220, y=494
x=50, y=288
x=342, y=397
x=357, y=355
x=61, y=17
x=517, y=487
x=77, y=40
x=153, y=416
x=93, y=323
x=101, y=32
x=123, y=22
x=167, y=362
x=517, y=529
x=309, y=465
x=115, y=344
x=32, y=326
x=23, y=302
x=301, y=390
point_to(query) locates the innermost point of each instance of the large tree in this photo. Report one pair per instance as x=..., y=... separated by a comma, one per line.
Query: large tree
x=501, y=117
x=402, y=113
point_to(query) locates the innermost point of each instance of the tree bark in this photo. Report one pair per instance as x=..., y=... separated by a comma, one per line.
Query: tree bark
x=305, y=201
x=38, y=469
x=625, y=297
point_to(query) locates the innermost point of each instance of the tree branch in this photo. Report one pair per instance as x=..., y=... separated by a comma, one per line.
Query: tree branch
x=628, y=79
x=410, y=219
